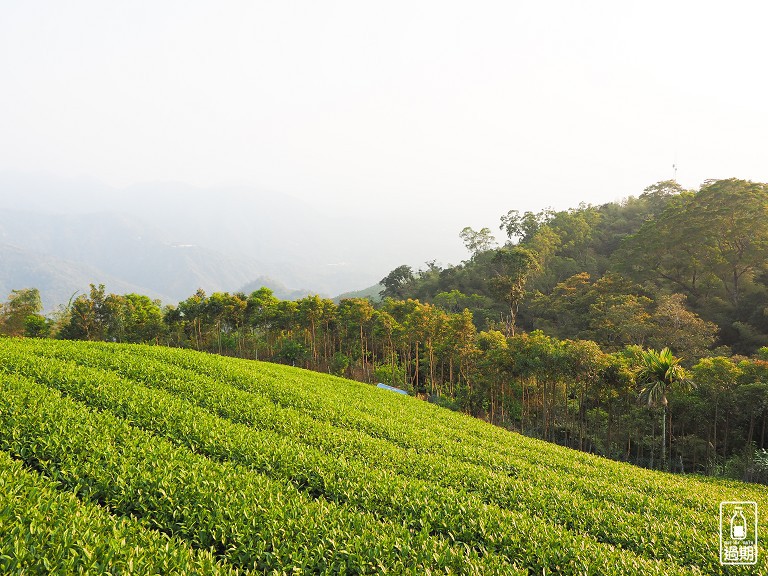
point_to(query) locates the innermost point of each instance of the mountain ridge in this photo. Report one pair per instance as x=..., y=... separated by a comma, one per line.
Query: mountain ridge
x=234, y=235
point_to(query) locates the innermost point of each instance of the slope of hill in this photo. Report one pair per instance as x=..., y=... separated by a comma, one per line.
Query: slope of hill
x=279, y=289
x=372, y=292
x=57, y=279
x=252, y=466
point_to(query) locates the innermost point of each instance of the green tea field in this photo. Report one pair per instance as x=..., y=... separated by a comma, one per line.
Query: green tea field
x=118, y=459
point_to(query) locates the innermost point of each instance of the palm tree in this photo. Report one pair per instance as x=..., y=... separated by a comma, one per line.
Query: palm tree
x=658, y=373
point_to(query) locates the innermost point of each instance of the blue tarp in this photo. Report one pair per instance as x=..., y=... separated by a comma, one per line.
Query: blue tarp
x=391, y=388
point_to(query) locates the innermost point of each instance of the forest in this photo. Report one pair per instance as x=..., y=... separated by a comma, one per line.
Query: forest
x=636, y=330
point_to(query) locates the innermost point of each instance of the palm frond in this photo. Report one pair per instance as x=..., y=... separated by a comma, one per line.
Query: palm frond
x=653, y=393
x=659, y=371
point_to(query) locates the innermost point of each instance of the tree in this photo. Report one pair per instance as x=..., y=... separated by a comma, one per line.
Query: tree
x=618, y=311
x=426, y=323
x=261, y=317
x=524, y=226
x=717, y=379
x=133, y=318
x=290, y=351
x=495, y=367
x=385, y=329
x=397, y=327
x=565, y=311
x=116, y=318
x=584, y=362
x=666, y=250
x=311, y=313
x=477, y=242
x=575, y=229
x=731, y=216
x=225, y=313
x=513, y=265
x=20, y=305
x=355, y=314
x=88, y=316
x=397, y=283
x=37, y=326
x=717, y=236
x=659, y=372
x=679, y=328
x=755, y=376
x=658, y=195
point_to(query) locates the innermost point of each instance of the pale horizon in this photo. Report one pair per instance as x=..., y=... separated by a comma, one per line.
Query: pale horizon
x=436, y=113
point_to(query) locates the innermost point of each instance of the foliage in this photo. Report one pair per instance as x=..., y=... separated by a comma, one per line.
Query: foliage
x=339, y=364
x=45, y=530
x=658, y=373
x=37, y=326
x=20, y=306
x=512, y=267
x=262, y=467
x=397, y=283
x=477, y=242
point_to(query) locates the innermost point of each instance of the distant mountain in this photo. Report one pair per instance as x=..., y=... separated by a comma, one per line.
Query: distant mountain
x=296, y=243
x=278, y=289
x=62, y=253
x=170, y=239
x=58, y=280
x=372, y=292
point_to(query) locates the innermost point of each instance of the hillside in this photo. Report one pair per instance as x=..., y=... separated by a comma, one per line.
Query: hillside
x=672, y=267
x=372, y=292
x=57, y=279
x=279, y=289
x=108, y=449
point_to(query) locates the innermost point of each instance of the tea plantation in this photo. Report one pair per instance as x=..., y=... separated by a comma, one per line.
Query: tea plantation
x=118, y=459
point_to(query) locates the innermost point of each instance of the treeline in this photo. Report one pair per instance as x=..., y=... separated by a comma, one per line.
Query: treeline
x=567, y=391
x=548, y=335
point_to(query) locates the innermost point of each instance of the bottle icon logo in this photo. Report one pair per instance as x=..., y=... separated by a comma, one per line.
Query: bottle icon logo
x=738, y=533
x=738, y=524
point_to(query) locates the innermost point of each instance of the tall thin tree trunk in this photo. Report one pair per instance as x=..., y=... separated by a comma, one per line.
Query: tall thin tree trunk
x=714, y=433
x=664, y=439
x=417, y=365
x=751, y=432
x=629, y=446
x=669, y=437
x=362, y=353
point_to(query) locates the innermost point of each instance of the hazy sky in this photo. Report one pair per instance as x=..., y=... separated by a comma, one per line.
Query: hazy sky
x=469, y=108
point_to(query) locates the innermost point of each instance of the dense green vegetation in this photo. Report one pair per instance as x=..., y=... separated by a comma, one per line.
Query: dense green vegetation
x=44, y=529
x=548, y=335
x=134, y=459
